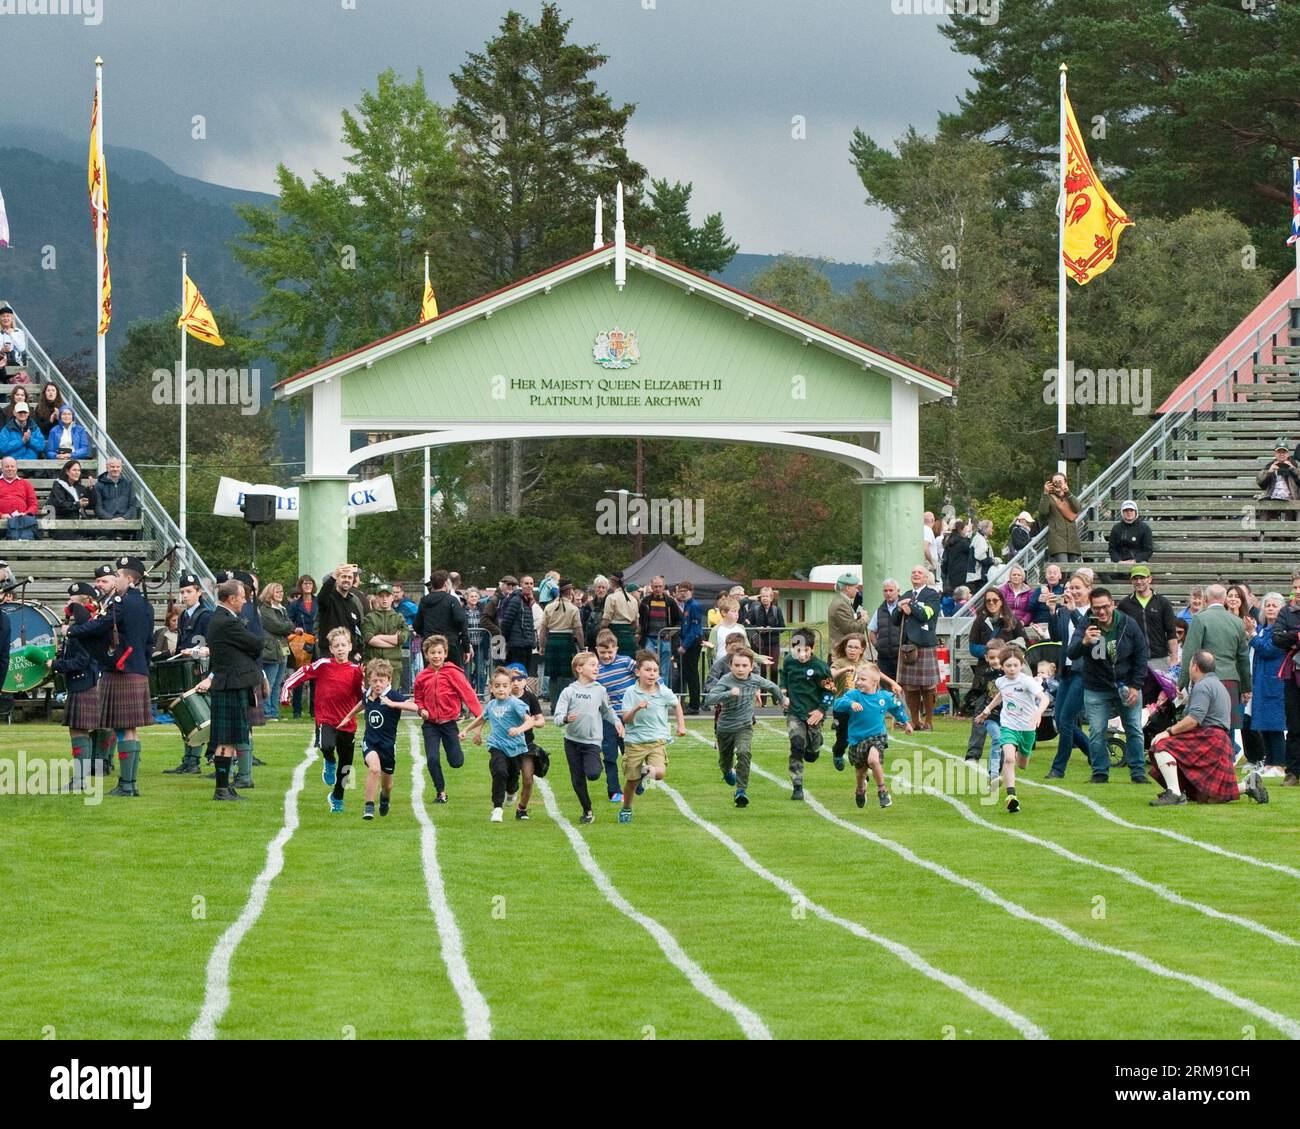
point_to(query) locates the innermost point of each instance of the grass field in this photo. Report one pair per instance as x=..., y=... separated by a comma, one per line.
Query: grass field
x=1087, y=915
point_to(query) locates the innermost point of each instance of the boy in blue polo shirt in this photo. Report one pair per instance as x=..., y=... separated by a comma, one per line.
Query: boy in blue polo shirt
x=866, y=706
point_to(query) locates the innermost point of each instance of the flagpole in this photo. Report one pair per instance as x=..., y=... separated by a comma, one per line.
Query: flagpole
x=1060, y=286
x=184, y=392
x=1295, y=171
x=428, y=545
x=100, y=222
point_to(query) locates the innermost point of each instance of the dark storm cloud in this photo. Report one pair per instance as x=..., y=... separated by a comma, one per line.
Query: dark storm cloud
x=718, y=84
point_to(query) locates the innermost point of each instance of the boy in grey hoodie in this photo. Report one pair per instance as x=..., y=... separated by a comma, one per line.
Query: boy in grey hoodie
x=581, y=708
x=736, y=693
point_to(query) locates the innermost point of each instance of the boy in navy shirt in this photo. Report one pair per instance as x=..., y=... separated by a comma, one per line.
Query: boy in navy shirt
x=383, y=707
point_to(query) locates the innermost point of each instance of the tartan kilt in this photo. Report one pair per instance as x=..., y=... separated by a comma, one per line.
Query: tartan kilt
x=1204, y=762
x=560, y=649
x=230, y=710
x=124, y=701
x=922, y=673
x=81, y=711
x=626, y=637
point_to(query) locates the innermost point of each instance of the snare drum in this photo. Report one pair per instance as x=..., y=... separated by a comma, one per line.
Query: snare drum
x=192, y=713
x=33, y=643
x=170, y=678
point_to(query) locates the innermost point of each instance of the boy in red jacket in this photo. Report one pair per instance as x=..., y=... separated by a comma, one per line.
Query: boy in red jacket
x=441, y=688
x=339, y=688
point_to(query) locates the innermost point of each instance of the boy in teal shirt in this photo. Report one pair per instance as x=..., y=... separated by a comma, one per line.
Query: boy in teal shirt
x=866, y=706
x=808, y=682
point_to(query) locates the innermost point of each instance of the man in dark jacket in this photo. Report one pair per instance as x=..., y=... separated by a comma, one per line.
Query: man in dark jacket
x=1130, y=538
x=1286, y=636
x=882, y=632
x=234, y=654
x=192, y=640
x=515, y=617
x=340, y=605
x=917, y=617
x=1113, y=648
x=1156, y=615
x=1279, y=482
x=115, y=496
x=689, y=641
x=440, y=613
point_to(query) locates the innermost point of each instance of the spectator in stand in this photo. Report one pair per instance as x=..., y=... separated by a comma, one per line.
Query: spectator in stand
x=20, y=437
x=20, y=395
x=1279, y=481
x=982, y=551
x=302, y=613
x=164, y=639
x=1058, y=511
x=1130, y=538
x=1238, y=602
x=958, y=558
x=13, y=341
x=765, y=614
x=67, y=439
x=1017, y=595
x=17, y=502
x=1022, y=532
x=71, y=498
x=1264, y=734
x=440, y=613
x=47, y=408
x=1040, y=610
x=1217, y=630
x=115, y=496
x=1156, y=615
x=689, y=642
x=1195, y=602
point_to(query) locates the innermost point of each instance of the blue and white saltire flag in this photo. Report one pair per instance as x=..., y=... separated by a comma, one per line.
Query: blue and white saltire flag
x=1295, y=205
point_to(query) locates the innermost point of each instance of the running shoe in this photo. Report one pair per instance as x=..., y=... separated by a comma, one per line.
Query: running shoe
x=1168, y=799
x=616, y=798
x=860, y=798
x=1254, y=788
x=742, y=801
x=588, y=817
x=329, y=773
x=521, y=814
x=383, y=805
x=886, y=800
x=797, y=792
x=625, y=815
x=729, y=778
x=511, y=797
x=839, y=764
x=369, y=813
x=440, y=798
x=496, y=815
x=336, y=806
x=1013, y=804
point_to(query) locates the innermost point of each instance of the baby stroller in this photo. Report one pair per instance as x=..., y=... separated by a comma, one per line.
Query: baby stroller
x=1161, y=706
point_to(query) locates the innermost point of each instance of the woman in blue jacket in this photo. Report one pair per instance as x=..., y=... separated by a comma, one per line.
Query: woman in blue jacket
x=1267, y=704
x=67, y=439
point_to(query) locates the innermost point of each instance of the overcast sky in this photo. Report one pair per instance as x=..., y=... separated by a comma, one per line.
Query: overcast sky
x=716, y=83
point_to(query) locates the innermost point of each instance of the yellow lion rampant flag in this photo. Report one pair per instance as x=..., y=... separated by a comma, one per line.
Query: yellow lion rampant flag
x=429, y=306
x=97, y=183
x=1093, y=221
x=196, y=319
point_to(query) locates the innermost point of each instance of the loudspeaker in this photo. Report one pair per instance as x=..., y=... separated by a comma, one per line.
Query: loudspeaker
x=1072, y=446
x=259, y=509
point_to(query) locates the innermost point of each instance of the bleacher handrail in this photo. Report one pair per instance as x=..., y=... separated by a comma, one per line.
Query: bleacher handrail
x=158, y=523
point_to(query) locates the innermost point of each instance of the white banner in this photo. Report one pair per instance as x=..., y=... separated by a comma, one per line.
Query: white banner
x=373, y=496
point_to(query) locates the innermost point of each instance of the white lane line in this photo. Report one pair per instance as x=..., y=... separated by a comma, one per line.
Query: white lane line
x=1283, y=1023
x=1107, y=814
x=216, y=994
x=982, y=999
x=1129, y=876
x=478, y=1018
x=750, y=1023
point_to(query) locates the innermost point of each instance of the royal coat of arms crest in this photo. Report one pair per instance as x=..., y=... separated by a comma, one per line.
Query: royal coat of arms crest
x=616, y=349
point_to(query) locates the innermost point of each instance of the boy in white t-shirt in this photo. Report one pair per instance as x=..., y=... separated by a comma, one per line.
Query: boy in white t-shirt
x=1023, y=701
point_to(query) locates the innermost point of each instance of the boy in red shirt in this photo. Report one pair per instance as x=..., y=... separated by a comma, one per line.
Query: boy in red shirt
x=441, y=688
x=339, y=688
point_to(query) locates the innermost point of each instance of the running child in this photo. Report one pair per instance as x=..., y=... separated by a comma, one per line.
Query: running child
x=809, y=683
x=508, y=720
x=738, y=692
x=441, y=689
x=1023, y=702
x=526, y=766
x=981, y=693
x=846, y=655
x=338, y=689
x=616, y=673
x=383, y=707
x=581, y=706
x=645, y=713
x=865, y=707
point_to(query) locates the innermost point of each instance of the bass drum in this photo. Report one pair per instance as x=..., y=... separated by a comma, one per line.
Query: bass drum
x=32, y=643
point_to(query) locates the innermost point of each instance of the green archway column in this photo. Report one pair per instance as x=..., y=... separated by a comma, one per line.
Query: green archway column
x=891, y=532
x=323, y=523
